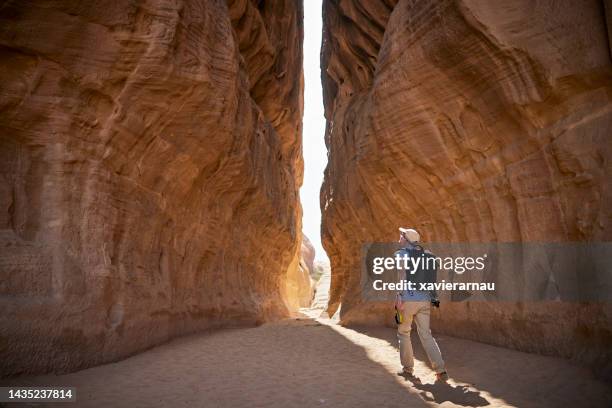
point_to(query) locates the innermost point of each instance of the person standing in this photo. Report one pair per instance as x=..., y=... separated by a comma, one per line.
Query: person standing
x=416, y=305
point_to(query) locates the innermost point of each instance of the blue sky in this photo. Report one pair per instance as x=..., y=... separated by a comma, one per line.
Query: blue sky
x=315, y=153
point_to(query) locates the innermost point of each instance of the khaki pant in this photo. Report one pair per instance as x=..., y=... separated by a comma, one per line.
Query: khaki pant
x=419, y=311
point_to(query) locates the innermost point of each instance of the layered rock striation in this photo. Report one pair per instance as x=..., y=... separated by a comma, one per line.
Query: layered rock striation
x=472, y=122
x=149, y=173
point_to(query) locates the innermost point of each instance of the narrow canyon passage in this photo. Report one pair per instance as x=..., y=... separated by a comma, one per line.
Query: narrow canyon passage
x=311, y=362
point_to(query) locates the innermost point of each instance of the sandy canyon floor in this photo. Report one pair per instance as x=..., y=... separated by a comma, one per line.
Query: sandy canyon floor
x=314, y=362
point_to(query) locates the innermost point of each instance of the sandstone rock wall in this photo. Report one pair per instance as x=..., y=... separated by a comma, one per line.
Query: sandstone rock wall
x=300, y=286
x=149, y=173
x=472, y=121
x=308, y=253
x=321, y=296
x=305, y=281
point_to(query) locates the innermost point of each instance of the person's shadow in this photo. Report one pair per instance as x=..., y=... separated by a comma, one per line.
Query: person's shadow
x=441, y=391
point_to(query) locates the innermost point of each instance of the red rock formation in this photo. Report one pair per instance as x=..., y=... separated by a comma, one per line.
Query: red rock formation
x=150, y=166
x=471, y=121
x=308, y=253
x=300, y=286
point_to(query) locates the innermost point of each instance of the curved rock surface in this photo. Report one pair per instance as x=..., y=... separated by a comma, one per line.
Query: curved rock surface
x=470, y=121
x=149, y=173
x=305, y=282
x=300, y=286
x=308, y=253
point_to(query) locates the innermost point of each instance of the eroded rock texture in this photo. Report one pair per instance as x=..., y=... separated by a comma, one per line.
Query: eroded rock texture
x=149, y=173
x=472, y=121
x=308, y=253
x=300, y=286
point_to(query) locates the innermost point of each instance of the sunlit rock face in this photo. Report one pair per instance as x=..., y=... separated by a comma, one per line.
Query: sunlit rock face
x=308, y=253
x=300, y=286
x=471, y=121
x=307, y=267
x=149, y=173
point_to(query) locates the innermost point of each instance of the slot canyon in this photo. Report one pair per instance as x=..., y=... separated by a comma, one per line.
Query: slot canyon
x=151, y=159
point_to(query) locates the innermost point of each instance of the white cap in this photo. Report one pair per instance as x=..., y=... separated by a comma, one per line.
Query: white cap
x=410, y=234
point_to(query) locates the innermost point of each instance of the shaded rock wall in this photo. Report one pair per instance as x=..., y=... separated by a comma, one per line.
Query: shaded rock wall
x=470, y=121
x=149, y=173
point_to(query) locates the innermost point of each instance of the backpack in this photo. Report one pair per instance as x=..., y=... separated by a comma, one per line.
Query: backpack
x=426, y=270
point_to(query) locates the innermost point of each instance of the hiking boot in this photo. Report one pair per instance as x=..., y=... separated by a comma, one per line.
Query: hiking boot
x=443, y=376
x=405, y=372
x=409, y=376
